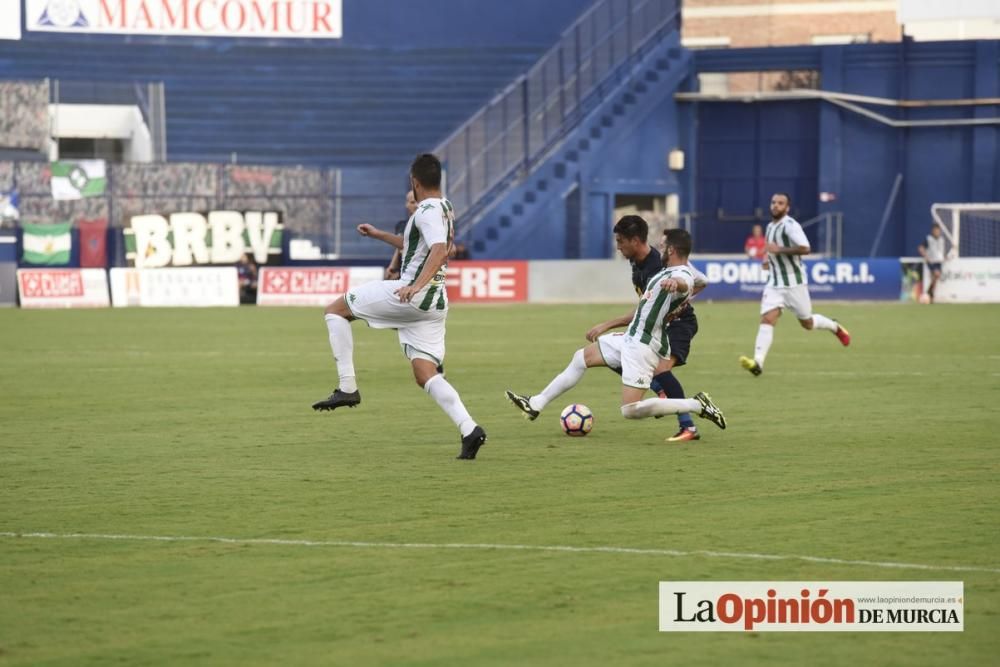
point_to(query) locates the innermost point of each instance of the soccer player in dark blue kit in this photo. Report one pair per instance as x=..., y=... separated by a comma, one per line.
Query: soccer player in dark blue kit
x=631, y=239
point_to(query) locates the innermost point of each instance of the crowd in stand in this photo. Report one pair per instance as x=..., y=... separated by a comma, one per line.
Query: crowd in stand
x=303, y=196
x=24, y=114
x=166, y=179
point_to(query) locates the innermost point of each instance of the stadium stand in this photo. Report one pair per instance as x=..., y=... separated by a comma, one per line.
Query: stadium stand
x=23, y=114
x=286, y=104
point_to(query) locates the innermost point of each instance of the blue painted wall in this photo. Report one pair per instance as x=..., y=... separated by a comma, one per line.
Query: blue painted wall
x=636, y=164
x=818, y=147
x=458, y=23
x=747, y=152
x=402, y=78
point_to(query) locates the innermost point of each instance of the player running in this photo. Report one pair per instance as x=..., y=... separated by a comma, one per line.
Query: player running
x=639, y=350
x=416, y=305
x=786, y=284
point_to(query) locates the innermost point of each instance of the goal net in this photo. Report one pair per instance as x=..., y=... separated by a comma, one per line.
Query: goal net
x=972, y=230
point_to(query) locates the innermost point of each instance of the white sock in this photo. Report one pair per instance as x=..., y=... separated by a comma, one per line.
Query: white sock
x=821, y=322
x=342, y=344
x=652, y=407
x=445, y=395
x=561, y=383
x=764, y=337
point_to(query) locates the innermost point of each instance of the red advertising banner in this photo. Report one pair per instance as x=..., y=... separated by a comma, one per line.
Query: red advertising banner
x=487, y=282
x=63, y=288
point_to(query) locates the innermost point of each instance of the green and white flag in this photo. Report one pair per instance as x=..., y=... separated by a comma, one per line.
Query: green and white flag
x=79, y=179
x=46, y=244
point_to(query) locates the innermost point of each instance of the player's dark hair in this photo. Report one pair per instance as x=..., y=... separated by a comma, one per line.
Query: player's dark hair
x=680, y=241
x=426, y=169
x=787, y=197
x=632, y=227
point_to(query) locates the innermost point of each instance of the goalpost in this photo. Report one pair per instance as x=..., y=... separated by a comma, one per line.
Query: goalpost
x=972, y=271
x=972, y=230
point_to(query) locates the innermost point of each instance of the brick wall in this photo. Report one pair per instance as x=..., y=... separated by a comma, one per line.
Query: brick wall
x=783, y=29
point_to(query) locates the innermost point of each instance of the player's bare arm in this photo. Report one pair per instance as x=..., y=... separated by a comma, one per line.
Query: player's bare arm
x=598, y=329
x=673, y=285
x=776, y=249
x=435, y=259
x=392, y=271
x=371, y=231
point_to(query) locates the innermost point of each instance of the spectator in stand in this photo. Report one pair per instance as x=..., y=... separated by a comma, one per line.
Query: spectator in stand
x=392, y=271
x=246, y=270
x=755, y=243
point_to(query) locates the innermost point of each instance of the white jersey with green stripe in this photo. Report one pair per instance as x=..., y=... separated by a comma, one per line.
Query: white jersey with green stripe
x=786, y=270
x=433, y=222
x=650, y=322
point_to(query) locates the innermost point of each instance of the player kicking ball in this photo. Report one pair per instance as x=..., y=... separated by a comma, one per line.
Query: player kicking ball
x=639, y=350
x=416, y=305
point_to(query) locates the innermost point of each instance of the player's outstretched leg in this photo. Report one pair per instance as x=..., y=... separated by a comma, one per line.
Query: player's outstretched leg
x=522, y=403
x=765, y=336
x=751, y=365
x=825, y=323
x=472, y=442
x=710, y=410
x=338, y=399
x=532, y=406
x=445, y=395
x=672, y=388
x=843, y=335
x=342, y=345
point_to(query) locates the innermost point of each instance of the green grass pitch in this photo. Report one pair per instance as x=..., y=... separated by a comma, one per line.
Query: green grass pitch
x=197, y=423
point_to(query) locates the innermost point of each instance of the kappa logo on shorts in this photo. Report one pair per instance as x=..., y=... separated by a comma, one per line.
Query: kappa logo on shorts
x=352, y=297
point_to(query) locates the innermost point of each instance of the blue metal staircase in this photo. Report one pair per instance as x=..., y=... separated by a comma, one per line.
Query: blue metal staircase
x=525, y=221
x=516, y=157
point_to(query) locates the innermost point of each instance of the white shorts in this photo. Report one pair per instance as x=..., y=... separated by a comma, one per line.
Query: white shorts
x=637, y=362
x=795, y=299
x=421, y=333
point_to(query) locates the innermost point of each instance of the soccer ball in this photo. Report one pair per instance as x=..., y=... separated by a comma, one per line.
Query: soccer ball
x=924, y=298
x=576, y=420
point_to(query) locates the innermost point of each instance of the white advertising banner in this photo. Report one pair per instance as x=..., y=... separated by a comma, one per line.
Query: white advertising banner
x=312, y=19
x=200, y=287
x=310, y=285
x=969, y=281
x=63, y=288
x=10, y=19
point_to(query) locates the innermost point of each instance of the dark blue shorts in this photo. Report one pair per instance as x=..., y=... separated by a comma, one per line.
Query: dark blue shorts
x=680, y=332
x=934, y=266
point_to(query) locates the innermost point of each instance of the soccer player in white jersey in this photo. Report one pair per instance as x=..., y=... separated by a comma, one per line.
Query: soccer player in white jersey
x=640, y=349
x=631, y=238
x=416, y=305
x=932, y=250
x=786, y=283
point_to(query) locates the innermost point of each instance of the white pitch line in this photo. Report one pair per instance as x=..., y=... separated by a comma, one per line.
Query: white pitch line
x=498, y=547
